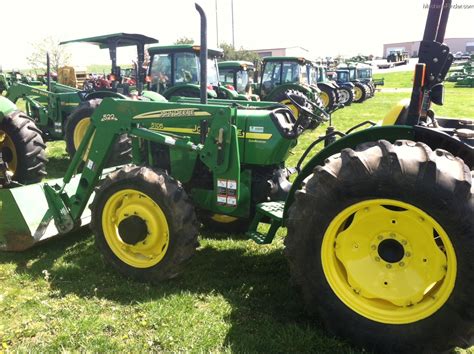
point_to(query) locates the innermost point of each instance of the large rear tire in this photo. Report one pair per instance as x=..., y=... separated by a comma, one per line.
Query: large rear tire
x=76, y=127
x=144, y=224
x=23, y=148
x=346, y=96
x=328, y=97
x=380, y=240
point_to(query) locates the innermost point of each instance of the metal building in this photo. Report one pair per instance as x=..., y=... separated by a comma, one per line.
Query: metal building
x=455, y=45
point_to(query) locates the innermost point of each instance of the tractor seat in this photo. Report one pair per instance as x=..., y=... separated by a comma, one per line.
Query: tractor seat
x=398, y=114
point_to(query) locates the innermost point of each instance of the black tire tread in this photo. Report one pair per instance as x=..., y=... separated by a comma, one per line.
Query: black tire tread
x=30, y=147
x=176, y=205
x=437, y=182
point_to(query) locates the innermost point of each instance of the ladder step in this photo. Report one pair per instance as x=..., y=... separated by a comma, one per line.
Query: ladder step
x=271, y=210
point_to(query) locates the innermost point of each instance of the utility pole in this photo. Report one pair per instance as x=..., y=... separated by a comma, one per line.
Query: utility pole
x=217, y=26
x=233, y=28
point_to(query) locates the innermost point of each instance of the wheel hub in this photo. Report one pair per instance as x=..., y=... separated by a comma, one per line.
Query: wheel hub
x=384, y=256
x=391, y=251
x=133, y=230
x=7, y=154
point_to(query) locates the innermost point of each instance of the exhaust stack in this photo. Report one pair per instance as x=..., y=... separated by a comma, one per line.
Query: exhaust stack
x=203, y=55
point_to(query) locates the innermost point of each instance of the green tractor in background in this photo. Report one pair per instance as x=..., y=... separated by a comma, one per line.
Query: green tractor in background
x=378, y=259
x=240, y=75
x=283, y=75
x=174, y=71
x=344, y=91
x=362, y=90
x=62, y=112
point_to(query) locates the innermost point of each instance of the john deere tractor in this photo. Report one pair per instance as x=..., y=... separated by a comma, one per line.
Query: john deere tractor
x=339, y=94
x=363, y=88
x=380, y=227
x=174, y=71
x=63, y=112
x=239, y=75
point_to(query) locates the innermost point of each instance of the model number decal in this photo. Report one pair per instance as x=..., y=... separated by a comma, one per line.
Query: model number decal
x=108, y=117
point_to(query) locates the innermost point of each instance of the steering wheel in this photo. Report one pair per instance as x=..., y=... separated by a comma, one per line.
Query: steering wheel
x=305, y=114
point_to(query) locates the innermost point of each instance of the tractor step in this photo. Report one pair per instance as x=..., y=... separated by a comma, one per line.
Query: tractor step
x=270, y=213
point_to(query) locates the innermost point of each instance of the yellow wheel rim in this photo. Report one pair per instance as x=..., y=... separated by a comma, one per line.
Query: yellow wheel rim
x=357, y=93
x=324, y=98
x=79, y=132
x=152, y=244
x=291, y=106
x=9, y=153
x=389, y=261
x=224, y=219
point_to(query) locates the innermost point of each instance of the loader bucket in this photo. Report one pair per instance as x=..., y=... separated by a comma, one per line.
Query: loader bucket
x=25, y=219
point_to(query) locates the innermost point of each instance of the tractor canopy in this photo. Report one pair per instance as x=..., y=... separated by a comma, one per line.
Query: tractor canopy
x=115, y=39
x=236, y=65
x=238, y=74
x=184, y=48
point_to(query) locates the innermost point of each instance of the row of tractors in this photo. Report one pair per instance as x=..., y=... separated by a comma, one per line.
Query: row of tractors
x=379, y=219
x=173, y=71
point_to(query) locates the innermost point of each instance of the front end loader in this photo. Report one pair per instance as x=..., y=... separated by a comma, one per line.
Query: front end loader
x=380, y=227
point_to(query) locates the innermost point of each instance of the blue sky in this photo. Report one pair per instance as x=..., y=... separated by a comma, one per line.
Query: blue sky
x=323, y=27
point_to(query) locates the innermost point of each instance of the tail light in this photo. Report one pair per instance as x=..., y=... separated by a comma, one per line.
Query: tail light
x=230, y=87
x=209, y=87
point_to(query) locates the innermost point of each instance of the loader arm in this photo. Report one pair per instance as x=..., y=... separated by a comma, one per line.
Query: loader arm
x=137, y=119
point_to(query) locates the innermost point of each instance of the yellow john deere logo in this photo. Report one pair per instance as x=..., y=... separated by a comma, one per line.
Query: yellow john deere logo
x=173, y=113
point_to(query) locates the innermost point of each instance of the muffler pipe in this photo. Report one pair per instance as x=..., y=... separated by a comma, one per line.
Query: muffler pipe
x=203, y=55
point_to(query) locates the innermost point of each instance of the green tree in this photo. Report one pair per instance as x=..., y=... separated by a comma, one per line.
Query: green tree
x=58, y=55
x=230, y=53
x=184, y=40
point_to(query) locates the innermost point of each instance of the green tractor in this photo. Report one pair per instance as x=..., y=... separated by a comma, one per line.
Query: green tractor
x=62, y=112
x=363, y=89
x=174, y=71
x=239, y=75
x=370, y=243
x=342, y=94
x=283, y=75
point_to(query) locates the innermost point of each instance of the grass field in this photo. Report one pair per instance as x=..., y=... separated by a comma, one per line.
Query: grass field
x=235, y=296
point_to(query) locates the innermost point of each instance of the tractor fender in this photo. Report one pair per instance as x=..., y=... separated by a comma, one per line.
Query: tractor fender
x=348, y=85
x=154, y=96
x=435, y=139
x=6, y=107
x=282, y=88
x=103, y=94
x=331, y=85
x=195, y=89
x=227, y=93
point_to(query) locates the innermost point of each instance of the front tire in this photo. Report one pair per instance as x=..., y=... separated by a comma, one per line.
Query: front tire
x=328, y=97
x=380, y=241
x=144, y=224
